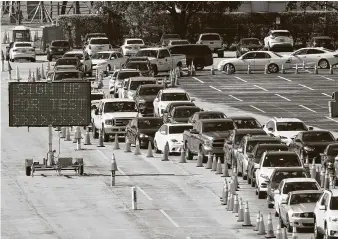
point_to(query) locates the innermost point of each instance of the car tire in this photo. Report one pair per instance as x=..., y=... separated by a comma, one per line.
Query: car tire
x=261, y=195
x=28, y=171
x=276, y=214
x=317, y=234
x=188, y=154
x=108, y=68
x=270, y=205
x=49, y=58
x=231, y=67
x=157, y=151
x=95, y=133
x=281, y=222
x=90, y=73
x=81, y=170
x=33, y=60
x=11, y=60
x=253, y=183
x=323, y=64
x=155, y=70
x=273, y=68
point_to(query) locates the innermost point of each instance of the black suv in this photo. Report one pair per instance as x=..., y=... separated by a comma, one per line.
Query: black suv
x=57, y=48
x=144, y=98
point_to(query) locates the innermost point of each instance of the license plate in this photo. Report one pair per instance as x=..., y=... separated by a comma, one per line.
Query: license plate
x=60, y=49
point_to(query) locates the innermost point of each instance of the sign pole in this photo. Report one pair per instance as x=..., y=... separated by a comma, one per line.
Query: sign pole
x=50, y=155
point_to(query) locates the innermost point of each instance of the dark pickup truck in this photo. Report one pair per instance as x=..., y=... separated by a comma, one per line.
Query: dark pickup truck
x=207, y=135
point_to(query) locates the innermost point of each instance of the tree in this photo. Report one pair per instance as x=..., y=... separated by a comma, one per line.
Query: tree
x=77, y=7
x=64, y=7
x=313, y=5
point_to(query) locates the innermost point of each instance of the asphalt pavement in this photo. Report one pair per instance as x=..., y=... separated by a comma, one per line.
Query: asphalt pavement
x=174, y=200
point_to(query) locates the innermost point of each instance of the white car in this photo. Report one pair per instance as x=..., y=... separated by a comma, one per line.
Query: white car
x=168, y=95
x=97, y=44
x=311, y=56
x=292, y=184
x=278, y=38
x=22, y=50
x=118, y=78
x=171, y=134
x=178, y=42
x=131, y=46
x=257, y=61
x=84, y=59
x=285, y=128
x=326, y=215
x=107, y=60
x=270, y=161
x=214, y=41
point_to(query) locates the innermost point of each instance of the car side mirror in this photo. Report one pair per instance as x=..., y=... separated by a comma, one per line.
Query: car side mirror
x=322, y=207
x=276, y=191
x=96, y=111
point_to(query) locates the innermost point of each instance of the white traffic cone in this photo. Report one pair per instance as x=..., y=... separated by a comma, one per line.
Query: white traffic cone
x=209, y=163
x=270, y=232
x=247, y=219
x=137, y=148
x=219, y=166
x=182, y=156
x=225, y=193
x=214, y=163
x=240, y=211
x=150, y=151
x=43, y=76
x=236, y=204
x=258, y=218
x=261, y=228
x=199, y=160
x=116, y=143
x=128, y=149
x=17, y=73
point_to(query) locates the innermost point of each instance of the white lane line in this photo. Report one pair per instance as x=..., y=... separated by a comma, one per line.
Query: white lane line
x=283, y=97
x=283, y=78
x=306, y=87
x=307, y=108
x=326, y=94
x=325, y=77
x=215, y=88
x=195, y=78
x=238, y=78
x=235, y=98
x=169, y=218
x=144, y=193
x=331, y=119
x=119, y=169
x=257, y=109
x=260, y=87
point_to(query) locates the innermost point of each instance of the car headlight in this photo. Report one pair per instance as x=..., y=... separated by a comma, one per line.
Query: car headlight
x=143, y=136
x=296, y=214
x=333, y=219
x=174, y=140
x=307, y=148
x=108, y=122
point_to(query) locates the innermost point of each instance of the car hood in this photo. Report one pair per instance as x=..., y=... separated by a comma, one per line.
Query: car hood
x=178, y=137
x=147, y=98
x=98, y=61
x=215, y=135
x=120, y=115
x=303, y=207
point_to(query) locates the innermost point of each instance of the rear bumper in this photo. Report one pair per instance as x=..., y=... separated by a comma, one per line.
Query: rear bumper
x=23, y=56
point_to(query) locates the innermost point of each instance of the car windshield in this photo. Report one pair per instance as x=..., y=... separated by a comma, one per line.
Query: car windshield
x=251, y=144
x=291, y=126
x=99, y=41
x=149, y=123
x=179, y=42
x=149, y=90
x=61, y=43
x=66, y=75
x=174, y=96
x=119, y=107
x=334, y=203
x=212, y=116
x=304, y=198
x=332, y=150
x=190, y=50
x=142, y=66
x=277, y=160
x=280, y=175
x=250, y=42
x=317, y=137
x=96, y=97
x=210, y=37
x=91, y=35
x=281, y=34
x=261, y=150
x=78, y=55
x=101, y=55
x=125, y=75
x=147, y=53
x=179, y=129
x=135, y=41
x=299, y=186
x=171, y=106
x=135, y=84
x=247, y=123
x=23, y=45
x=218, y=126
x=64, y=61
x=185, y=112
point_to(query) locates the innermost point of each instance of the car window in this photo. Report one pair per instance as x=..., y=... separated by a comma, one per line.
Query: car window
x=179, y=129
x=324, y=199
x=163, y=54
x=261, y=55
x=300, y=52
x=218, y=126
x=291, y=126
x=247, y=123
x=174, y=96
x=119, y=55
x=250, y=55
x=78, y=55
x=60, y=43
x=185, y=112
x=147, y=53
x=100, y=55
x=23, y=45
x=280, y=160
x=317, y=136
x=334, y=203
x=281, y=34
x=135, y=41
x=149, y=123
x=119, y=107
x=99, y=41
x=280, y=175
x=210, y=37
x=314, y=51
x=304, y=198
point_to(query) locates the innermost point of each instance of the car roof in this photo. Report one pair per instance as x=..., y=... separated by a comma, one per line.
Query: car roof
x=75, y=52
x=138, y=58
x=322, y=37
x=142, y=78
x=133, y=39
x=66, y=70
x=152, y=48
x=281, y=152
x=152, y=86
x=248, y=131
x=149, y=117
x=305, y=192
x=127, y=70
x=186, y=107
x=286, y=119
x=250, y=38
x=117, y=100
x=242, y=117
x=293, y=180
x=316, y=131
x=210, y=33
x=216, y=120
x=26, y=42
x=177, y=124
x=210, y=112
x=69, y=58
x=279, y=30
x=108, y=52
x=138, y=61
x=173, y=90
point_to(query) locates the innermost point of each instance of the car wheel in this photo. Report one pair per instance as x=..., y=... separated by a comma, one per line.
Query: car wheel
x=204, y=158
x=12, y=60
x=49, y=58
x=316, y=232
x=288, y=225
x=323, y=64
x=261, y=195
x=90, y=73
x=229, y=66
x=33, y=60
x=157, y=151
x=188, y=154
x=273, y=68
x=95, y=133
x=270, y=205
x=28, y=171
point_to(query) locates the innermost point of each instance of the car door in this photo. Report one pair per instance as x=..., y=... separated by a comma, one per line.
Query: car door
x=297, y=145
x=163, y=60
x=283, y=209
x=261, y=59
x=313, y=56
x=298, y=56
x=245, y=60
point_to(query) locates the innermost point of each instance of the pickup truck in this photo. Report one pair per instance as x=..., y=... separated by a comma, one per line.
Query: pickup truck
x=207, y=135
x=113, y=115
x=162, y=60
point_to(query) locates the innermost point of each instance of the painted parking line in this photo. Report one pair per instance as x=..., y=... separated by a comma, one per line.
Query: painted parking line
x=235, y=98
x=283, y=97
x=283, y=78
x=259, y=87
x=325, y=77
x=144, y=193
x=326, y=95
x=215, y=88
x=305, y=87
x=331, y=119
x=257, y=109
x=195, y=78
x=238, y=78
x=307, y=108
x=169, y=218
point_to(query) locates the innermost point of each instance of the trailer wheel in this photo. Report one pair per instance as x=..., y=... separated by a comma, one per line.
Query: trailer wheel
x=81, y=170
x=28, y=171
